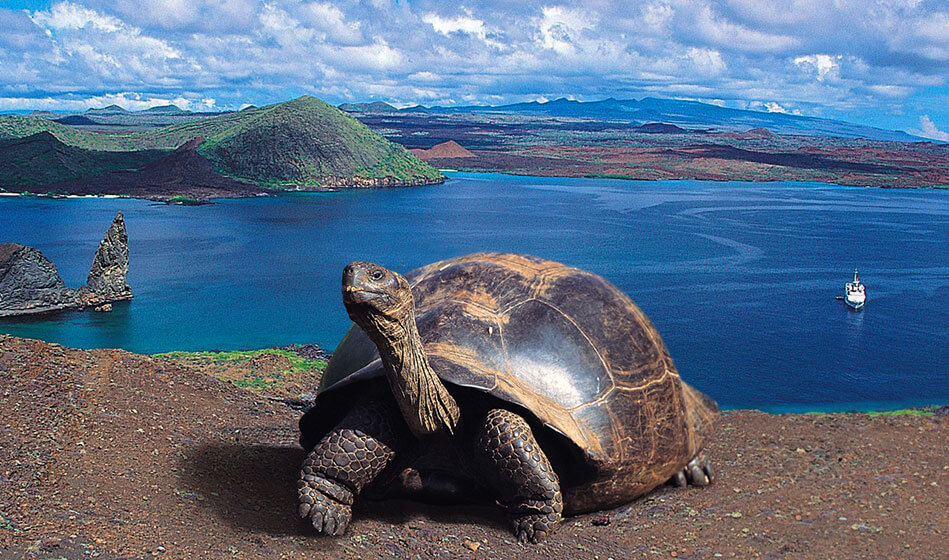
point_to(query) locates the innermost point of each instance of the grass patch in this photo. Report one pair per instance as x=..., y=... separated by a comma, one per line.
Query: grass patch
x=297, y=364
x=903, y=412
x=182, y=199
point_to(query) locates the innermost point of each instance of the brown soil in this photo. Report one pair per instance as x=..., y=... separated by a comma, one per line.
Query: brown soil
x=109, y=454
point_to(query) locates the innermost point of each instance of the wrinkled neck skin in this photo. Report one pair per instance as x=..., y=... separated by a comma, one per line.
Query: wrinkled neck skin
x=425, y=403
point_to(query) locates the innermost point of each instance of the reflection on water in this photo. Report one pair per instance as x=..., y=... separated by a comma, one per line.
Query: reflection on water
x=739, y=278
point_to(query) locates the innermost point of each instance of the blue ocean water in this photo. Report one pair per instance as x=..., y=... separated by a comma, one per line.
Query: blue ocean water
x=739, y=278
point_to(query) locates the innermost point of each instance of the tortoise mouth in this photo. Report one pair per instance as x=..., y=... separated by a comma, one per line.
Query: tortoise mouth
x=360, y=296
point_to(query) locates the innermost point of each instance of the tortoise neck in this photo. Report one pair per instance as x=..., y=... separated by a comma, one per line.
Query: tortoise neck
x=426, y=404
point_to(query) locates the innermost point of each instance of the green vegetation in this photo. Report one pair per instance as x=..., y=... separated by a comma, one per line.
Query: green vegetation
x=5, y=524
x=300, y=143
x=297, y=364
x=924, y=411
x=182, y=199
x=306, y=142
x=41, y=159
x=904, y=412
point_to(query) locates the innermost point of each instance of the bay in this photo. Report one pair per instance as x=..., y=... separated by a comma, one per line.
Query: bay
x=739, y=278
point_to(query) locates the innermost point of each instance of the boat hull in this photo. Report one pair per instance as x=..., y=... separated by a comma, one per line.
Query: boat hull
x=855, y=305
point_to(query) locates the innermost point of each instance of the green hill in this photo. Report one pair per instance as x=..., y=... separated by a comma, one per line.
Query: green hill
x=300, y=143
x=41, y=159
x=308, y=142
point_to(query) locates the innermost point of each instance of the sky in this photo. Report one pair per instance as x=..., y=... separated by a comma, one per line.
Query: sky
x=882, y=63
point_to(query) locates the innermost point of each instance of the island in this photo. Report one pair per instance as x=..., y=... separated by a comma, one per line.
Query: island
x=299, y=145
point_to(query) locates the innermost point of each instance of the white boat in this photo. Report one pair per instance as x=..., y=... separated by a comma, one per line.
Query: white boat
x=855, y=294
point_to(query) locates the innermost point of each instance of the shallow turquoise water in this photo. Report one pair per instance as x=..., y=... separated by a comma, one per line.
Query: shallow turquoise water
x=740, y=278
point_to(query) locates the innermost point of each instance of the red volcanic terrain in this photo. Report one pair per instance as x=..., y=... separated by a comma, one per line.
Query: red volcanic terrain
x=449, y=149
x=113, y=455
x=587, y=147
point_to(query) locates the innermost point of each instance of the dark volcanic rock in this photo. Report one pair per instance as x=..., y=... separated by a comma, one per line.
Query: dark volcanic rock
x=309, y=351
x=30, y=283
x=76, y=120
x=110, y=267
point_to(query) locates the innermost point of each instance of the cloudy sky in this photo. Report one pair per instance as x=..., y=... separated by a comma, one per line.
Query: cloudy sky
x=878, y=62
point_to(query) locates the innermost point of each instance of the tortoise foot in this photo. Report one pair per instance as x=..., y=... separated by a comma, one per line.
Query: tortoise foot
x=535, y=527
x=325, y=504
x=697, y=472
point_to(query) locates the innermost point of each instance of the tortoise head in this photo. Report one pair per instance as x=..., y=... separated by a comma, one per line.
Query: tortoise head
x=380, y=302
x=377, y=299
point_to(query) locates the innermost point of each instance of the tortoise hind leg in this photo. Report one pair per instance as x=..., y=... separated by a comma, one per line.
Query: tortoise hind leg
x=516, y=466
x=346, y=460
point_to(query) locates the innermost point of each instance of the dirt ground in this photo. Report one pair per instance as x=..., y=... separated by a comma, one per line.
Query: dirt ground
x=107, y=454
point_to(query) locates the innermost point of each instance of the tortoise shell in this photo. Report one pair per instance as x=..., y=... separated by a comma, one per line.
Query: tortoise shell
x=566, y=346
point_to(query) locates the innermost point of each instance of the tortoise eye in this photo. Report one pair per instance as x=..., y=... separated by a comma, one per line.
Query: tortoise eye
x=376, y=274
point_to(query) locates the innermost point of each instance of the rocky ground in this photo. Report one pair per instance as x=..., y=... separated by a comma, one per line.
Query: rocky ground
x=113, y=455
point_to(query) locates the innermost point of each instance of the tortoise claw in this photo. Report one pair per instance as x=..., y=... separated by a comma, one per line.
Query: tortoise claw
x=533, y=528
x=697, y=472
x=327, y=515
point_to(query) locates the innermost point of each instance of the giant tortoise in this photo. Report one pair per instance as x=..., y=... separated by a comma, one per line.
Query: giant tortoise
x=540, y=385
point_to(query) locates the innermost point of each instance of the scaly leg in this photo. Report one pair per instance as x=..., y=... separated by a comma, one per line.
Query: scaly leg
x=344, y=462
x=518, y=469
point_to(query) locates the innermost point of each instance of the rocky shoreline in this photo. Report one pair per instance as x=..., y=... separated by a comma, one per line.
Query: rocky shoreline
x=30, y=284
x=201, y=188
x=115, y=455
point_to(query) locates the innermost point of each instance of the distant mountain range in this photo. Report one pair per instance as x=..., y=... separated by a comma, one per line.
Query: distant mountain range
x=117, y=110
x=682, y=113
x=372, y=107
x=109, y=110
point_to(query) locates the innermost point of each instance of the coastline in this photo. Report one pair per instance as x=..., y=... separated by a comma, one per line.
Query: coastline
x=207, y=194
x=185, y=198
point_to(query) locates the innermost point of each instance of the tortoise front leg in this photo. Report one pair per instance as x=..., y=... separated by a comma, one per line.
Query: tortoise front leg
x=516, y=466
x=346, y=460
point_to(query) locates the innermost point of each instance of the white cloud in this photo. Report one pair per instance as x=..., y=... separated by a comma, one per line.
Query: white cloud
x=561, y=28
x=707, y=61
x=459, y=24
x=890, y=90
x=128, y=100
x=99, y=46
x=657, y=16
x=375, y=56
x=772, y=107
x=833, y=58
x=331, y=19
x=731, y=35
x=822, y=65
x=929, y=129
x=66, y=15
